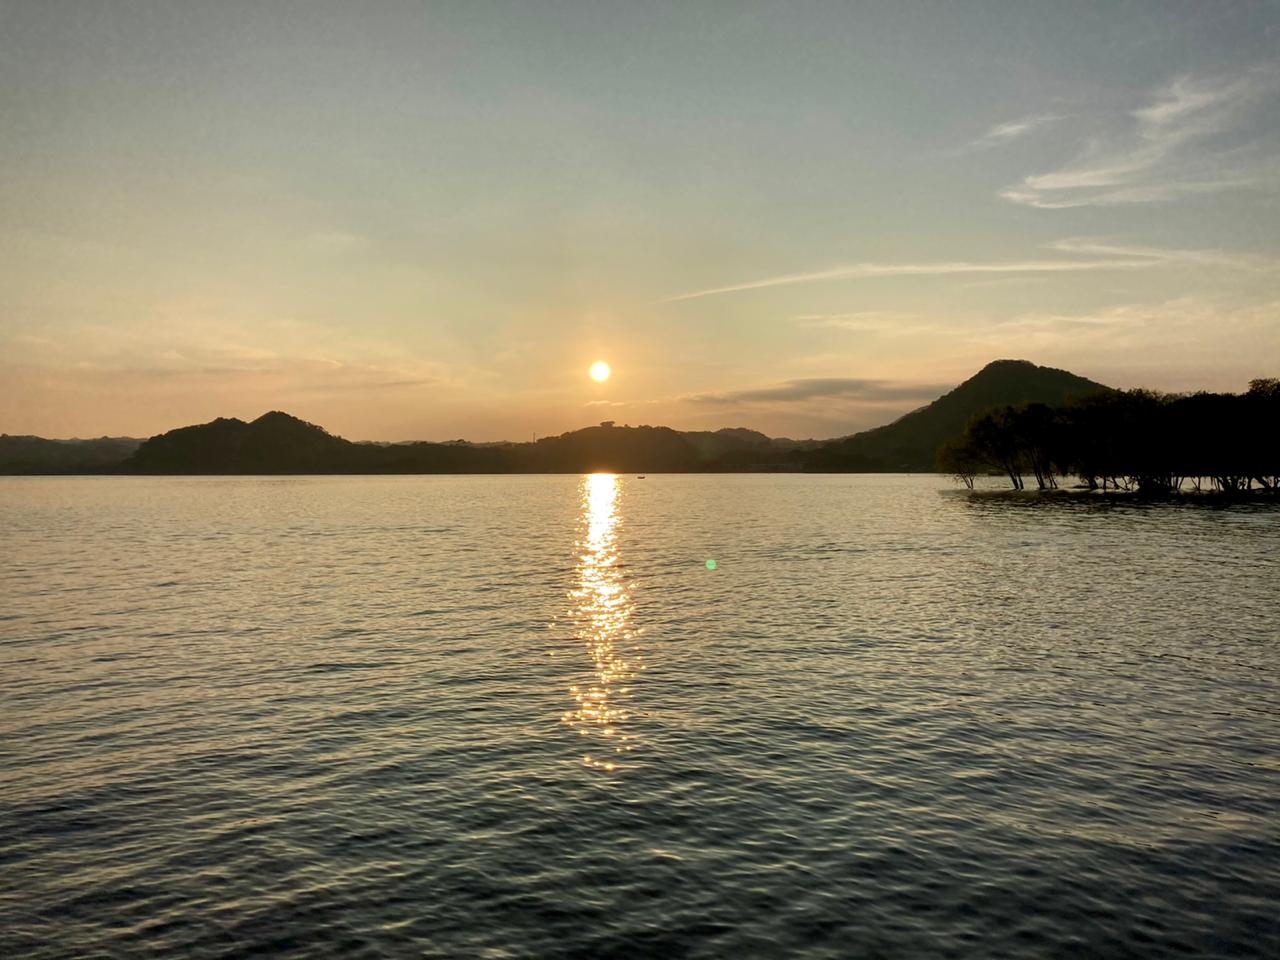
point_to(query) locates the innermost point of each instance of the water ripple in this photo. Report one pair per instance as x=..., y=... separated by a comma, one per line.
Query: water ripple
x=519, y=716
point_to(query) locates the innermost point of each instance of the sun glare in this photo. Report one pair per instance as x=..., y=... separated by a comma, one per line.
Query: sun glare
x=600, y=371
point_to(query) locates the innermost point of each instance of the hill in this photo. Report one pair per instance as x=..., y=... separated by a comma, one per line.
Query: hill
x=607, y=447
x=738, y=448
x=909, y=443
x=279, y=443
x=36, y=455
x=274, y=443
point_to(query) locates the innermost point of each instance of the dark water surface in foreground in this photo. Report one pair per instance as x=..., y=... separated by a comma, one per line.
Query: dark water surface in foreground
x=519, y=717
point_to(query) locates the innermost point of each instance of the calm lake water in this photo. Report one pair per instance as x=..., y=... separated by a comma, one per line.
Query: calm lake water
x=520, y=717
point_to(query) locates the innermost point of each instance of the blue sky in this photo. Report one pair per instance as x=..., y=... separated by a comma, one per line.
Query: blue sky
x=425, y=220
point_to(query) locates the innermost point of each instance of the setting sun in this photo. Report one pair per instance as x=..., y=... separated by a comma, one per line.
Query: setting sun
x=600, y=371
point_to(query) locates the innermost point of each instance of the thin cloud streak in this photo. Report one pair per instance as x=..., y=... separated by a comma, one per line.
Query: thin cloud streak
x=862, y=271
x=875, y=322
x=847, y=388
x=1003, y=133
x=1117, y=256
x=1097, y=246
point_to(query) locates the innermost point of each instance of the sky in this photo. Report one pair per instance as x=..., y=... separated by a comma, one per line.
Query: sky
x=425, y=220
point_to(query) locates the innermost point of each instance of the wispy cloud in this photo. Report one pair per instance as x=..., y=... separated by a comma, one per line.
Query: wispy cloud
x=863, y=320
x=1003, y=133
x=1161, y=335
x=868, y=321
x=1184, y=141
x=1180, y=312
x=844, y=388
x=863, y=271
x=1230, y=259
x=1015, y=280
x=199, y=342
x=1103, y=255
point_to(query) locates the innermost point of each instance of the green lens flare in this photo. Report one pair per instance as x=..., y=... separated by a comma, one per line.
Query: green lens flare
x=711, y=564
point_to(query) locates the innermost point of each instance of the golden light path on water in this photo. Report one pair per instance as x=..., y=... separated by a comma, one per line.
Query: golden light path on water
x=601, y=609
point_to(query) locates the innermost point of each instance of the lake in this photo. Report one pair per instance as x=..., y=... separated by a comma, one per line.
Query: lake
x=523, y=717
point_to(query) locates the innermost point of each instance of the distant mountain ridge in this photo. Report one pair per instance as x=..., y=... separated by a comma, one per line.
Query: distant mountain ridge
x=278, y=443
x=909, y=443
x=36, y=455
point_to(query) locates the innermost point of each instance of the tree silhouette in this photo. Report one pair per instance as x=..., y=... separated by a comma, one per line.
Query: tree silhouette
x=1133, y=440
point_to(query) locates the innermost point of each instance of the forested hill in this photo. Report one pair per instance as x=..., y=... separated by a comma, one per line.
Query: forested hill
x=910, y=443
x=274, y=443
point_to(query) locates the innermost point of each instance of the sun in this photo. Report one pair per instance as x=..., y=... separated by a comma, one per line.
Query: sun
x=600, y=371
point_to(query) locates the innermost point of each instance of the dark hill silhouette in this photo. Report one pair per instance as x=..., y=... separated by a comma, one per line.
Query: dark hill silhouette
x=274, y=443
x=738, y=448
x=279, y=443
x=713, y=443
x=623, y=449
x=36, y=455
x=730, y=444
x=910, y=443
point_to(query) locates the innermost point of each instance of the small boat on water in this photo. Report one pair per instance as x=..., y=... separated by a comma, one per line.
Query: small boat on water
x=639, y=476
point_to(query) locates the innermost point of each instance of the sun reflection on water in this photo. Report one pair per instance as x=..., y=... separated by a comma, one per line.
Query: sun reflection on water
x=601, y=608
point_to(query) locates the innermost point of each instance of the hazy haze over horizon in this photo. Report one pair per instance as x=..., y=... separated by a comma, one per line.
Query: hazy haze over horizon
x=426, y=220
